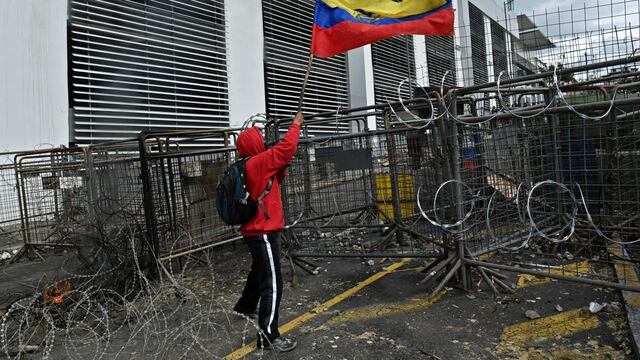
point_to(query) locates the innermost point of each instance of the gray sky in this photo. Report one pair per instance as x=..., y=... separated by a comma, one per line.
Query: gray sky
x=538, y=6
x=584, y=30
x=576, y=16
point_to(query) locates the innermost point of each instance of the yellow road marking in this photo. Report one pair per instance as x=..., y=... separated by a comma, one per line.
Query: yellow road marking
x=486, y=256
x=243, y=351
x=626, y=275
x=561, y=324
x=415, y=269
x=574, y=269
x=376, y=311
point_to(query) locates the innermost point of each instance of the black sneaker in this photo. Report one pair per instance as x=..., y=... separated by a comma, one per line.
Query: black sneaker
x=251, y=315
x=281, y=344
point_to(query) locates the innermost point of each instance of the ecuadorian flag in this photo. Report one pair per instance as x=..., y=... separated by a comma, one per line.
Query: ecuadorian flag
x=342, y=25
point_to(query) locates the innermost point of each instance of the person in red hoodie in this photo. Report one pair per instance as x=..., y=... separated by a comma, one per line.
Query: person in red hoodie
x=265, y=169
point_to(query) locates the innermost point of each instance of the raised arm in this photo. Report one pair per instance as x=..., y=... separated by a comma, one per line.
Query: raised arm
x=279, y=156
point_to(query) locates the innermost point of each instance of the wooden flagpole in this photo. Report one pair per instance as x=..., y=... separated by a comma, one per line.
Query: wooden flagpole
x=306, y=80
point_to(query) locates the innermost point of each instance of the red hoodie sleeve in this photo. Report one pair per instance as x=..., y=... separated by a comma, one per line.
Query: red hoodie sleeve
x=280, y=175
x=279, y=156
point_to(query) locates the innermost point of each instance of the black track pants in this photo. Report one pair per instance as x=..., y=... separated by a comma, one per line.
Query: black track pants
x=264, y=283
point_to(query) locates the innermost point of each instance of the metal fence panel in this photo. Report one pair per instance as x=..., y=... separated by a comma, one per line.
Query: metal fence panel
x=354, y=195
x=10, y=213
x=180, y=183
x=555, y=194
x=54, y=196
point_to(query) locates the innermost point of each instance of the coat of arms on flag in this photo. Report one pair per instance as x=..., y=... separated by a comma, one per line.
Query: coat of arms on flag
x=341, y=25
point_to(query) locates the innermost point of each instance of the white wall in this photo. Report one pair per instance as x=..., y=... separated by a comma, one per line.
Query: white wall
x=361, y=90
x=33, y=74
x=420, y=58
x=245, y=49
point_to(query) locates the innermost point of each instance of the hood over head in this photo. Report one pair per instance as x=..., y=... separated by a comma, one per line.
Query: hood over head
x=250, y=142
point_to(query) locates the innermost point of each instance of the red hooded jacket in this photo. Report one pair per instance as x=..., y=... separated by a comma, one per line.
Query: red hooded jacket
x=260, y=168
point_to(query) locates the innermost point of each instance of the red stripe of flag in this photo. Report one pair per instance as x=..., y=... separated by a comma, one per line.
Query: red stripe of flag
x=348, y=35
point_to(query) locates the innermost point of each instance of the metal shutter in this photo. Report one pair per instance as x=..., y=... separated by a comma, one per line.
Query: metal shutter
x=287, y=38
x=499, y=42
x=146, y=65
x=478, y=46
x=441, y=56
x=393, y=61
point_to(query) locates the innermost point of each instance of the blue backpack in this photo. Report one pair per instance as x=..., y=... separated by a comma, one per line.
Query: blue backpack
x=233, y=201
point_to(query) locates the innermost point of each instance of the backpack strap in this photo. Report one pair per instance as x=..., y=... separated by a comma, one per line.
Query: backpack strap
x=242, y=174
x=264, y=193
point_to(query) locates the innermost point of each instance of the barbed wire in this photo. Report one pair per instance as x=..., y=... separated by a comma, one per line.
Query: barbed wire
x=528, y=223
x=112, y=309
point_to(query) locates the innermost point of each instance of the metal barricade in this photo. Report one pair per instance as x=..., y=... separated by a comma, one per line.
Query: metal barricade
x=115, y=187
x=53, y=195
x=353, y=195
x=179, y=181
x=551, y=192
x=10, y=207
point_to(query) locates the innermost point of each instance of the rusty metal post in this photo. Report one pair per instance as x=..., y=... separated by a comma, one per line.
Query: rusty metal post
x=21, y=206
x=555, y=129
x=609, y=164
x=459, y=198
x=91, y=178
x=56, y=201
x=393, y=175
x=149, y=210
x=443, y=148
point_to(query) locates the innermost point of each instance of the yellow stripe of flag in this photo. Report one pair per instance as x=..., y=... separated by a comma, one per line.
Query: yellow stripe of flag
x=386, y=8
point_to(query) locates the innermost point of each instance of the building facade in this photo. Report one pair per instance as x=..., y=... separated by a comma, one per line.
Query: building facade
x=78, y=72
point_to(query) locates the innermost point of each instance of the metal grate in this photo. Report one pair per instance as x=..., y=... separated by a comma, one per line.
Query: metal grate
x=342, y=190
x=54, y=195
x=146, y=65
x=441, y=57
x=478, y=45
x=10, y=214
x=180, y=189
x=393, y=61
x=287, y=35
x=499, y=43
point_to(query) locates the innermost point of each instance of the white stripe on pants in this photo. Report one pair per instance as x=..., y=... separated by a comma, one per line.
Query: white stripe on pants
x=274, y=293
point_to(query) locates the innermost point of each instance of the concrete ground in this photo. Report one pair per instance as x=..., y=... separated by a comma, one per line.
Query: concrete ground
x=392, y=317
x=354, y=310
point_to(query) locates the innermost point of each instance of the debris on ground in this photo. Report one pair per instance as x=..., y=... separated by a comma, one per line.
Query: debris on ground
x=532, y=314
x=595, y=308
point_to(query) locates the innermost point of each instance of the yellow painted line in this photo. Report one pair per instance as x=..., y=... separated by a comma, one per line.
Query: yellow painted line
x=415, y=270
x=377, y=311
x=562, y=324
x=573, y=270
x=626, y=275
x=243, y=351
x=486, y=256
